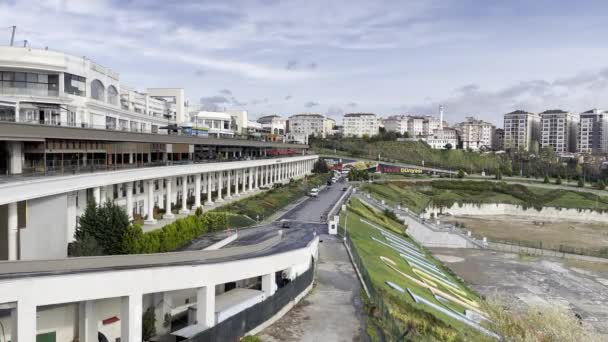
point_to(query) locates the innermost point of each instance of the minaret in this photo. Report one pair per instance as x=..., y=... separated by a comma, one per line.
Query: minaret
x=441, y=117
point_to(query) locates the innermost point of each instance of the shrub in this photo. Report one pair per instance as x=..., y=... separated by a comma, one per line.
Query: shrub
x=558, y=180
x=600, y=185
x=580, y=183
x=199, y=211
x=546, y=180
x=148, y=324
x=460, y=173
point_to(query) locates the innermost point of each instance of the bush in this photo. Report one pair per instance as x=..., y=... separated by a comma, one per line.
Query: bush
x=580, y=183
x=558, y=180
x=546, y=180
x=148, y=324
x=460, y=173
x=600, y=185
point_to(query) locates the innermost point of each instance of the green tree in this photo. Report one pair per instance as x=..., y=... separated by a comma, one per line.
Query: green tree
x=448, y=146
x=546, y=180
x=460, y=173
x=148, y=324
x=320, y=166
x=581, y=183
x=101, y=228
x=558, y=181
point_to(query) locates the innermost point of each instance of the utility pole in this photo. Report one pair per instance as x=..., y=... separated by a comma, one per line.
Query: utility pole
x=13, y=34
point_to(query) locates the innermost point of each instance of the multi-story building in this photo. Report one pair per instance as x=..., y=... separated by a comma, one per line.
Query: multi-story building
x=301, y=126
x=593, y=132
x=273, y=124
x=475, y=134
x=360, y=124
x=214, y=124
x=53, y=88
x=443, y=138
x=396, y=123
x=521, y=130
x=559, y=130
x=498, y=140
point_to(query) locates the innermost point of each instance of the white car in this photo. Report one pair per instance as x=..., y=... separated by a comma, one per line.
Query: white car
x=314, y=192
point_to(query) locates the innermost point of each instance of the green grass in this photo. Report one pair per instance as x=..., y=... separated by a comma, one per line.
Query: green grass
x=403, y=307
x=238, y=221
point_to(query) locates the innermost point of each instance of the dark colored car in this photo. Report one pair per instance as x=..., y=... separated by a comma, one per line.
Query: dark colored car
x=285, y=225
x=344, y=188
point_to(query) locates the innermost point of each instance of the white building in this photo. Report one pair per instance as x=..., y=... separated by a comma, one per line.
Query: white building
x=54, y=88
x=360, y=124
x=476, y=134
x=442, y=137
x=593, y=132
x=273, y=124
x=521, y=130
x=311, y=124
x=559, y=130
x=215, y=124
x=396, y=123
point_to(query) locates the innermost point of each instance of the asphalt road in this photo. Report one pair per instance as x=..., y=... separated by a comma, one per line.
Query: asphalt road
x=316, y=209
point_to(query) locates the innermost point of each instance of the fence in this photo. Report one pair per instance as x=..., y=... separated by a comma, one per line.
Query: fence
x=542, y=249
x=235, y=327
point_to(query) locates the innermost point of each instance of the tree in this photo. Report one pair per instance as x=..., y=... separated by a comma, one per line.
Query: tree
x=581, y=183
x=558, y=181
x=460, y=173
x=601, y=185
x=448, y=146
x=498, y=175
x=101, y=228
x=148, y=324
x=320, y=166
x=546, y=180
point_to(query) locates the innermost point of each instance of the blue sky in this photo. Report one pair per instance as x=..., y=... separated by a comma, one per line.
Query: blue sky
x=476, y=57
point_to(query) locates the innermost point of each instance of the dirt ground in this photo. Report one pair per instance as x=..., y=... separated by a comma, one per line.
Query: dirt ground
x=581, y=287
x=505, y=227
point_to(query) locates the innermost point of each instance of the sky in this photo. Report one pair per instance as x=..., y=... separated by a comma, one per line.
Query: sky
x=479, y=58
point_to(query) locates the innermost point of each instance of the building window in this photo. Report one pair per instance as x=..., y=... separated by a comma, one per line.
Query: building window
x=112, y=95
x=98, y=91
x=75, y=85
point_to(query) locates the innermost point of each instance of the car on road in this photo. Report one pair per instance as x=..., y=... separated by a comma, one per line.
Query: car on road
x=345, y=188
x=314, y=192
x=329, y=183
x=286, y=225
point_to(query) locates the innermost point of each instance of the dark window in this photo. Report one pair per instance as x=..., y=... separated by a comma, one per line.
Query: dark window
x=75, y=85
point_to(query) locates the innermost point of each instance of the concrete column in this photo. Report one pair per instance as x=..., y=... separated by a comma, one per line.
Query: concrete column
x=23, y=322
x=268, y=284
x=209, y=201
x=205, y=306
x=219, y=187
x=87, y=321
x=228, y=185
x=97, y=195
x=130, y=318
x=236, y=182
x=250, y=179
x=168, y=213
x=103, y=195
x=268, y=169
x=256, y=173
x=13, y=232
x=197, y=190
x=150, y=219
x=244, y=181
x=184, y=209
x=129, y=187
x=16, y=158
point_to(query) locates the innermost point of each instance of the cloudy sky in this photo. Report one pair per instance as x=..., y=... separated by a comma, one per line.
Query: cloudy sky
x=476, y=57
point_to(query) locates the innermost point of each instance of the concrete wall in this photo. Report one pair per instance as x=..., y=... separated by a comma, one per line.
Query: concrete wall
x=545, y=214
x=44, y=236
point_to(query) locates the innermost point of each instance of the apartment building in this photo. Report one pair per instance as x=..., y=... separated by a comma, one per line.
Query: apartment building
x=360, y=124
x=498, y=140
x=475, y=134
x=559, y=129
x=593, y=132
x=53, y=88
x=442, y=138
x=273, y=124
x=396, y=123
x=521, y=130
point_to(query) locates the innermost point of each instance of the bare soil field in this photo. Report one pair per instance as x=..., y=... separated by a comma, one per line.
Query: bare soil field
x=550, y=232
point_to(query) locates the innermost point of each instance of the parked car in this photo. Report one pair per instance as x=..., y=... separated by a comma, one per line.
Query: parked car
x=314, y=192
x=286, y=225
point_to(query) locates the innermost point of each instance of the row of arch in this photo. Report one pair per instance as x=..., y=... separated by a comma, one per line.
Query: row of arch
x=98, y=92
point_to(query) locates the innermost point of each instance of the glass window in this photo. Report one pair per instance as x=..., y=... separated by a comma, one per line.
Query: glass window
x=20, y=76
x=31, y=77
x=8, y=76
x=75, y=85
x=98, y=90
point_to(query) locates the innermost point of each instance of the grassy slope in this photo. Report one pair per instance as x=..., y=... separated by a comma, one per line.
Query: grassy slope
x=369, y=251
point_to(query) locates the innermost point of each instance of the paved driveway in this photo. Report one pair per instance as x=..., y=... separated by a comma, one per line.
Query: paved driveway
x=332, y=310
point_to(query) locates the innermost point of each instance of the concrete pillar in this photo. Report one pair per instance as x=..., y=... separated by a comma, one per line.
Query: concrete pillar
x=255, y=177
x=244, y=181
x=228, y=185
x=23, y=322
x=103, y=195
x=219, y=187
x=168, y=213
x=209, y=201
x=236, y=182
x=184, y=209
x=87, y=321
x=268, y=284
x=97, y=195
x=129, y=187
x=197, y=190
x=250, y=179
x=18, y=109
x=150, y=219
x=268, y=171
x=13, y=232
x=205, y=306
x=16, y=158
x=130, y=318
